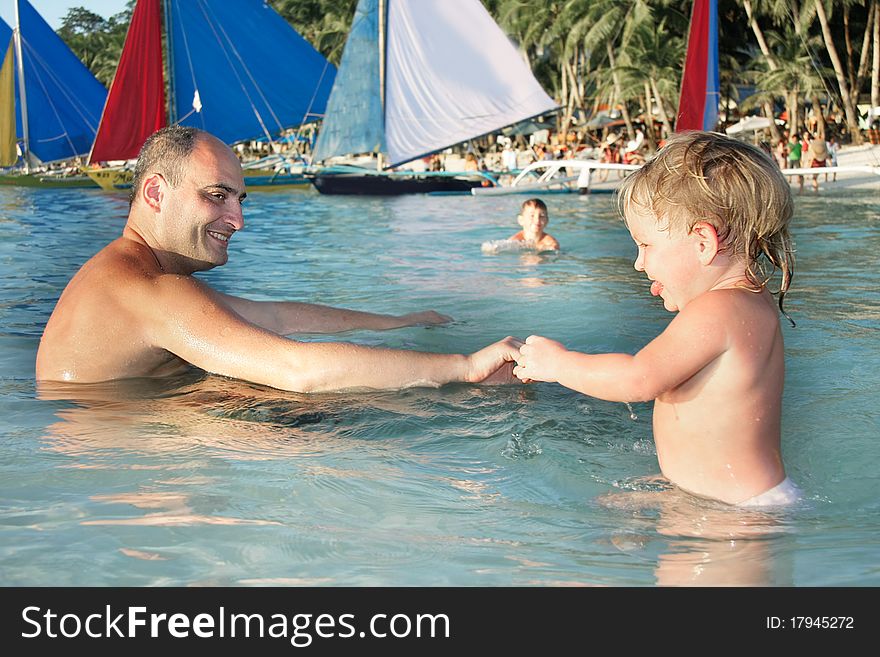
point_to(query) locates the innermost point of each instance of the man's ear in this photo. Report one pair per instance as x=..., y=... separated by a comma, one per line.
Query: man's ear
x=706, y=241
x=153, y=191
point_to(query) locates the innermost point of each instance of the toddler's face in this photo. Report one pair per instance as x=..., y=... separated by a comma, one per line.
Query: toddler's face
x=668, y=258
x=533, y=220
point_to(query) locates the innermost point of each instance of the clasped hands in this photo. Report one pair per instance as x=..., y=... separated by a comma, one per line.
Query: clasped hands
x=539, y=359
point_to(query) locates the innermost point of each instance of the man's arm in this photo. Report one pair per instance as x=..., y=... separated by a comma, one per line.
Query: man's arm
x=695, y=338
x=286, y=317
x=186, y=319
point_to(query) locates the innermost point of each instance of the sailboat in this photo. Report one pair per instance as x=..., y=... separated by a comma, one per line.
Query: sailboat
x=235, y=68
x=53, y=109
x=415, y=78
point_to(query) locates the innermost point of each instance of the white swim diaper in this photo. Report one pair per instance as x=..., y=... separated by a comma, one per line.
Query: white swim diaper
x=783, y=494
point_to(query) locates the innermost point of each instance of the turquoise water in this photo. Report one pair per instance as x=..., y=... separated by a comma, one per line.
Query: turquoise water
x=207, y=481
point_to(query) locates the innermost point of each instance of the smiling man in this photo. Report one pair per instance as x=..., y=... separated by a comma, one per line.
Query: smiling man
x=135, y=310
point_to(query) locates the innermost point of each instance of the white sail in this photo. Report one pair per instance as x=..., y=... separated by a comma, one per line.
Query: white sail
x=451, y=75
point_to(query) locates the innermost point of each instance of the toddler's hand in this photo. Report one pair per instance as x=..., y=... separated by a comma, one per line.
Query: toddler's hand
x=539, y=359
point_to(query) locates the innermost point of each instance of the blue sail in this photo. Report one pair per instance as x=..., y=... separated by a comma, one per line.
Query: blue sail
x=64, y=100
x=240, y=71
x=355, y=121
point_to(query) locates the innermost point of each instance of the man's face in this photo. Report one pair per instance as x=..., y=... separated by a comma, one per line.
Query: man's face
x=201, y=215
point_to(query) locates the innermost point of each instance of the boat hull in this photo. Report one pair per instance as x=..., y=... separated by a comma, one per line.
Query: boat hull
x=110, y=179
x=261, y=178
x=114, y=180
x=51, y=182
x=392, y=184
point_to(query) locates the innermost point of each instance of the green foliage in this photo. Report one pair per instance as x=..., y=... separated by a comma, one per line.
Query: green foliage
x=323, y=23
x=96, y=41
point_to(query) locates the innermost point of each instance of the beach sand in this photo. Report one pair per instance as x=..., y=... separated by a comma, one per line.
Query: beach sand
x=864, y=155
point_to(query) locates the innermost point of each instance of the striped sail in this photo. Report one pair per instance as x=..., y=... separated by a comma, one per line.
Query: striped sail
x=698, y=103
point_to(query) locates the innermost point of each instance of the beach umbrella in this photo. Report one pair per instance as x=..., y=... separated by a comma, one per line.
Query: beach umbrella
x=748, y=124
x=599, y=121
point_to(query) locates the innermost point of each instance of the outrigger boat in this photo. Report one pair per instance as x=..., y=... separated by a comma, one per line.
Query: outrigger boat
x=558, y=177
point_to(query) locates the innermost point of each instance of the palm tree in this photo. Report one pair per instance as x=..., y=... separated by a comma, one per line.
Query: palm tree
x=852, y=122
x=651, y=58
x=794, y=73
x=602, y=27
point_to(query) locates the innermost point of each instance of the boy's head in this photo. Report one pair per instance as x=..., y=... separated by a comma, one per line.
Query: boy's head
x=533, y=217
x=705, y=177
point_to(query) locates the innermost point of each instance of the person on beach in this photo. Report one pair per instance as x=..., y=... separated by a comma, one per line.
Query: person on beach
x=833, y=149
x=818, y=158
x=704, y=213
x=795, y=151
x=610, y=154
x=135, y=310
x=780, y=152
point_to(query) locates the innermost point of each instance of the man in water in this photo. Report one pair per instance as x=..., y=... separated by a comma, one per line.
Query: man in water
x=135, y=310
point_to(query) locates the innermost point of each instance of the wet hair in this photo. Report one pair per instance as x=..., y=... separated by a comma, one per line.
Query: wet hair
x=165, y=151
x=733, y=186
x=534, y=203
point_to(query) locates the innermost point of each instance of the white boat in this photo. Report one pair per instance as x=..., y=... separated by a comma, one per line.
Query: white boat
x=558, y=176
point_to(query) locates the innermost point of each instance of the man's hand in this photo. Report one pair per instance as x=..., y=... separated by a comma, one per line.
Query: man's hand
x=424, y=318
x=494, y=364
x=539, y=359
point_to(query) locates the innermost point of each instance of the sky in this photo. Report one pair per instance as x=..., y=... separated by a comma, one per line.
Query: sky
x=55, y=10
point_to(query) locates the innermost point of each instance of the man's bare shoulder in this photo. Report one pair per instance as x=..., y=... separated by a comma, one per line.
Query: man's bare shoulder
x=123, y=260
x=125, y=280
x=128, y=268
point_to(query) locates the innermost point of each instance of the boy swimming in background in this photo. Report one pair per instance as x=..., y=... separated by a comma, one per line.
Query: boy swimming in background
x=703, y=213
x=533, y=218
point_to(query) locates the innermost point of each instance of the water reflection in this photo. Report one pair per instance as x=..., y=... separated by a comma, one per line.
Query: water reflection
x=703, y=543
x=188, y=435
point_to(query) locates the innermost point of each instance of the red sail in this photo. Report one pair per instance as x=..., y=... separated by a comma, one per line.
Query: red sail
x=135, y=106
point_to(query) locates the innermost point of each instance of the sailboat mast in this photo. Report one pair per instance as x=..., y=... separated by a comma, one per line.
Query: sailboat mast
x=21, y=92
x=382, y=32
x=169, y=64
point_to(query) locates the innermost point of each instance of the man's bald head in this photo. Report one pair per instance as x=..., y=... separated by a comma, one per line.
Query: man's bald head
x=166, y=151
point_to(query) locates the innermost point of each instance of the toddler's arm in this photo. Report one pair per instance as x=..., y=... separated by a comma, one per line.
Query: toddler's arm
x=695, y=338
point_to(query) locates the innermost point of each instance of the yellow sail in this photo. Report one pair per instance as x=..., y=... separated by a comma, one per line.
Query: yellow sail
x=8, y=154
